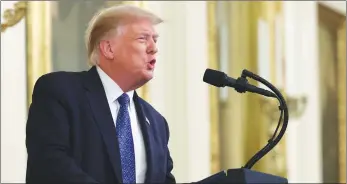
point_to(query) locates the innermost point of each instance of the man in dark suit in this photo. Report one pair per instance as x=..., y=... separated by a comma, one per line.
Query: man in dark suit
x=91, y=126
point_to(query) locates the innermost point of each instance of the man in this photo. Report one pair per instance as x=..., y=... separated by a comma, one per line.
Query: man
x=92, y=127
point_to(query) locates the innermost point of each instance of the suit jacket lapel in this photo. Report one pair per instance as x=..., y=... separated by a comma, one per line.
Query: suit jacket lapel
x=103, y=117
x=147, y=136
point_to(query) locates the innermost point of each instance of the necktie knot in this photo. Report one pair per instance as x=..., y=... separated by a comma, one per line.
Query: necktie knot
x=123, y=100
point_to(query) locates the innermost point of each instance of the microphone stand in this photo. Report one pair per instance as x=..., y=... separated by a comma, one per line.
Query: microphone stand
x=284, y=111
x=245, y=174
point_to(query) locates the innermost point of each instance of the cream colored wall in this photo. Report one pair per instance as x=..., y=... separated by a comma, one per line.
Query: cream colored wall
x=304, y=157
x=13, y=101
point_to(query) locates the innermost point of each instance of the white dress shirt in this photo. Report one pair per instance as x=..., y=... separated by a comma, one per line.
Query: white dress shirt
x=113, y=91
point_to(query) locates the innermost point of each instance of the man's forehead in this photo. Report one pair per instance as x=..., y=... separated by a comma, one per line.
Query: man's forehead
x=143, y=27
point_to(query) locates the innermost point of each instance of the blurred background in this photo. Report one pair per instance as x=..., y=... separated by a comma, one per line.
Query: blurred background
x=299, y=46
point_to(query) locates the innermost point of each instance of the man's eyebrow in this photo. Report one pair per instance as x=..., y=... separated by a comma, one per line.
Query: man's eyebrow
x=148, y=34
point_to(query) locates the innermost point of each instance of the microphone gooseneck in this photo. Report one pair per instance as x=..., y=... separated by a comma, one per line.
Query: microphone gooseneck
x=284, y=111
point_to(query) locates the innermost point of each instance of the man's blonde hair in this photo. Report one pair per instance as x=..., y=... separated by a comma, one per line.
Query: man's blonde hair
x=109, y=20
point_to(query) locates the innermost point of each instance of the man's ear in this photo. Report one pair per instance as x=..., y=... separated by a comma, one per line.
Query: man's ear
x=106, y=49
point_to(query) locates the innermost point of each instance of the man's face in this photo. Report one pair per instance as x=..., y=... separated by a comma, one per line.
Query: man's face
x=134, y=50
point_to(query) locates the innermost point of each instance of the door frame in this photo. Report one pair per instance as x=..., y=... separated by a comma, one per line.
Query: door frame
x=337, y=16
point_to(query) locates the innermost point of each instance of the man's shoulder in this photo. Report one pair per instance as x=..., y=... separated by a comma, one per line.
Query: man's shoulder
x=56, y=82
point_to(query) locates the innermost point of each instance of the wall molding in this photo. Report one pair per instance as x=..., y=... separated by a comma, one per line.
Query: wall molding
x=337, y=6
x=14, y=15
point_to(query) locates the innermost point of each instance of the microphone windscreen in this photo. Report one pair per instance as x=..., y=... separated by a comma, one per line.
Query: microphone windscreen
x=214, y=77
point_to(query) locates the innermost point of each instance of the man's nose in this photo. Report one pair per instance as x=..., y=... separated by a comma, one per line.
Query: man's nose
x=152, y=48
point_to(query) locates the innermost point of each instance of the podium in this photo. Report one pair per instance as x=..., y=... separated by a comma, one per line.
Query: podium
x=242, y=175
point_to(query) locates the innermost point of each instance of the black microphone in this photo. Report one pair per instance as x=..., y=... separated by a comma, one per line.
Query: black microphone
x=241, y=85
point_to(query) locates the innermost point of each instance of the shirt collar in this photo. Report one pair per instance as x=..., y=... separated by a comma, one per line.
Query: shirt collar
x=112, y=90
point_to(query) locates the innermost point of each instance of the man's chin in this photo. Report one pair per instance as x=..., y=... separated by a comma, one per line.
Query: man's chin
x=147, y=78
x=148, y=75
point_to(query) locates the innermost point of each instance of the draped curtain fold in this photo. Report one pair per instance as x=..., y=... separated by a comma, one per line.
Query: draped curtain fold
x=242, y=128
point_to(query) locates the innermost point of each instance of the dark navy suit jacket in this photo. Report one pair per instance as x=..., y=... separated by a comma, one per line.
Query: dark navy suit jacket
x=71, y=138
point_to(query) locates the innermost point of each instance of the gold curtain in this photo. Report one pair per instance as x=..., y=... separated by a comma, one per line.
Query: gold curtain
x=275, y=161
x=39, y=47
x=213, y=97
x=244, y=126
x=341, y=41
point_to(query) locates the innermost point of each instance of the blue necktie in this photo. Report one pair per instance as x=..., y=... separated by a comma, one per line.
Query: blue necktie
x=125, y=139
